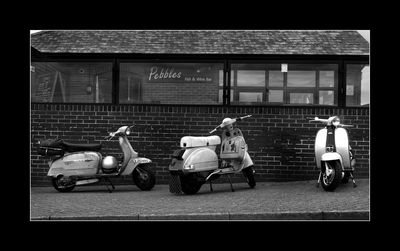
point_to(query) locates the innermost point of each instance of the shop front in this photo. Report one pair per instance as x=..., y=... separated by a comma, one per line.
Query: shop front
x=177, y=83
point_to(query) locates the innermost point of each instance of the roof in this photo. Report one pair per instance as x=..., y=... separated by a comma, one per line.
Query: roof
x=262, y=42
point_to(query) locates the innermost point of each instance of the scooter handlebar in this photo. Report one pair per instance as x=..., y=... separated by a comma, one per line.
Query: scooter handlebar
x=316, y=119
x=211, y=132
x=244, y=117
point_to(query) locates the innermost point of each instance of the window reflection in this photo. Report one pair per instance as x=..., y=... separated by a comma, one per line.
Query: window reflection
x=275, y=96
x=326, y=97
x=250, y=78
x=301, y=78
x=301, y=98
x=276, y=78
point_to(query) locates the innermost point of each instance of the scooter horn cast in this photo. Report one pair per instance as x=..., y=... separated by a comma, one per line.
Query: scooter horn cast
x=197, y=161
x=80, y=164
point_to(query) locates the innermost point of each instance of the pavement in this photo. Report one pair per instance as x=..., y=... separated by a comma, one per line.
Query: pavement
x=268, y=201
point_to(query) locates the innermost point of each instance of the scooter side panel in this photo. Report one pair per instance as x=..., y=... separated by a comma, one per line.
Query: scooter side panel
x=203, y=159
x=320, y=145
x=342, y=146
x=77, y=163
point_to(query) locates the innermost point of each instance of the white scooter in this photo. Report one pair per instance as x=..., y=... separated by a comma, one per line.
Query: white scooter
x=197, y=162
x=81, y=164
x=333, y=154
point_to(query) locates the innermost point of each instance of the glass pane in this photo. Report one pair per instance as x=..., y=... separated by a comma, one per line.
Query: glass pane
x=170, y=83
x=301, y=98
x=221, y=77
x=275, y=96
x=326, y=97
x=220, y=96
x=71, y=82
x=250, y=78
x=357, y=85
x=326, y=78
x=301, y=78
x=250, y=97
x=276, y=78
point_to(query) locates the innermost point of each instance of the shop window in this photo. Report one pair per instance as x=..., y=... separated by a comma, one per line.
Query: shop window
x=301, y=78
x=275, y=79
x=275, y=96
x=251, y=78
x=326, y=98
x=357, y=85
x=301, y=98
x=250, y=97
x=304, y=84
x=170, y=83
x=71, y=82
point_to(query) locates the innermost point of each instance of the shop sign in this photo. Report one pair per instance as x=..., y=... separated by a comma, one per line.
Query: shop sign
x=163, y=74
x=284, y=67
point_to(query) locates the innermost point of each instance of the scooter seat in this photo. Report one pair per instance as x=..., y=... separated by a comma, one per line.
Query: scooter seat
x=72, y=147
x=190, y=141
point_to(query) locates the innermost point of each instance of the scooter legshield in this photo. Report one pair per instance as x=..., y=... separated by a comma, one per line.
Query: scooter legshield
x=342, y=147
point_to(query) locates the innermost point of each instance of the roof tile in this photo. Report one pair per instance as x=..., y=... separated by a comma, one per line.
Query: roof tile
x=263, y=42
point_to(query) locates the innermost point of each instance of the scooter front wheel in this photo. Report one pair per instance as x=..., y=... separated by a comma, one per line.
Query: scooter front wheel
x=144, y=177
x=332, y=175
x=63, y=184
x=249, y=174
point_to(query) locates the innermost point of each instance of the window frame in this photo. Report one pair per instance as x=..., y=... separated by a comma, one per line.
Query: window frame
x=226, y=59
x=79, y=60
x=285, y=88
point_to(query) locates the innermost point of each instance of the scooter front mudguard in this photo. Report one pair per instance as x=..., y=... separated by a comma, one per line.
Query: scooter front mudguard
x=133, y=163
x=331, y=156
x=76, y=163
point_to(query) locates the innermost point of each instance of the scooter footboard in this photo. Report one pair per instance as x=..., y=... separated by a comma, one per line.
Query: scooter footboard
x=175, y=184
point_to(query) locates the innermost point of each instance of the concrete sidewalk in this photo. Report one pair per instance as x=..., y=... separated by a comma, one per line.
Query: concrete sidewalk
x=299, y=200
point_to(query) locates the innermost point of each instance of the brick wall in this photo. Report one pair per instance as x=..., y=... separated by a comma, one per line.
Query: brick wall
x=280, y=139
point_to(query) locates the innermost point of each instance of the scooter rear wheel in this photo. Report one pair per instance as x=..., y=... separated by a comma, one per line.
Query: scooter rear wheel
x=190, y=183
x=61, y=184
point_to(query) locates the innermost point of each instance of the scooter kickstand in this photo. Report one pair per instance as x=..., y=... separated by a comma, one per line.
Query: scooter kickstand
x=110, y=191
x=319, y=179
x=211, y=188
x=352, y=178
x=229, y=177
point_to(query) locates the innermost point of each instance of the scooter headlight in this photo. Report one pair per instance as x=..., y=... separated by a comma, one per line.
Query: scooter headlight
x=336, y=121
x=128, y=131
